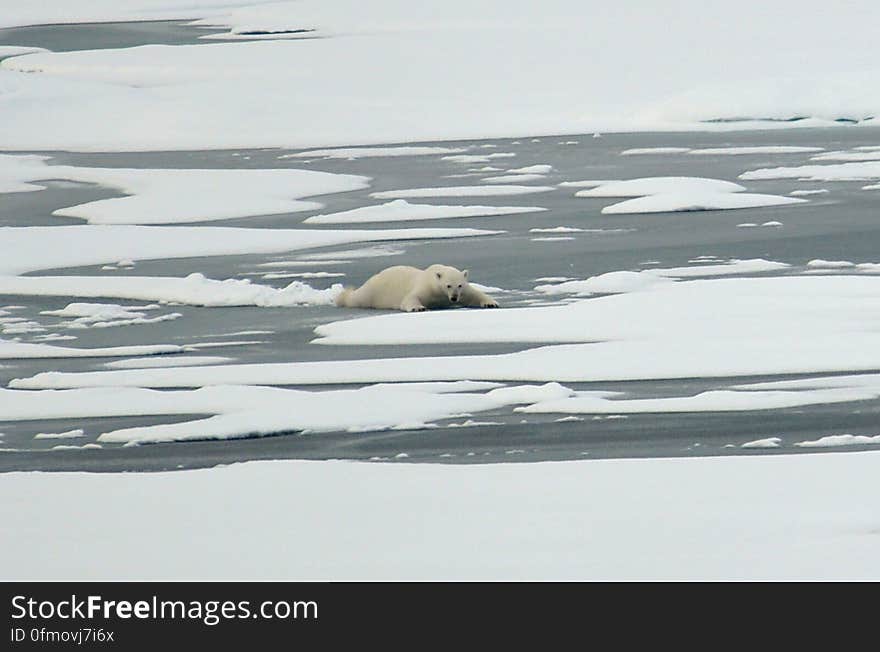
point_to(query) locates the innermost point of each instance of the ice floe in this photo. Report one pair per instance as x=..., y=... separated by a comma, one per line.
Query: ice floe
x=769, y=442
x=698, y=328
x=672, y=194
x=166, y=196
x=861, y=155
x=168, y=361
x=68, y=434
x=30, y=249
x=635, y=151
x=698, y=201
x=840, y=440
x=193, y=290
x=574, y=536
x=242, y=411
x=817, y=191
x=477, y=158
x=710, y=401
x=608, y=283
x=533, y=169
x=818, y=263
x=856, y=171
x=560, y=229
x=254, y=92
x=587, y=183
x=460, y=191
x=354, y=153
x=627, y=281
x=759, y=149
x=16, y=50
x=515, y=178
x=660, y=185
x=400, y=210
x=21, y=350
x=49, y=12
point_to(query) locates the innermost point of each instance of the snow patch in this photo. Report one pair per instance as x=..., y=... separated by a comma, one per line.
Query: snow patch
x=839, y=440
x=460, y=191
x=69, y=434
x=769, y=442
x=760, y=149
x=176, y=361
x=701, y=328
x=515, y=178
x=37, y=248
x=354, y=153
x=698, y=201
x=161, y=196
x=635, y=151
x=858, y=171
x=193, y=290
x=20, y=350
x=400, y=210
x=660, y=185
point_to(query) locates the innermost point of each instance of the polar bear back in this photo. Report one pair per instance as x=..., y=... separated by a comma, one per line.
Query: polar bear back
x=387, y=289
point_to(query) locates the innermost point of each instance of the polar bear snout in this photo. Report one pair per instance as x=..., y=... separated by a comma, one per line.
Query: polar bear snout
x=454, y=292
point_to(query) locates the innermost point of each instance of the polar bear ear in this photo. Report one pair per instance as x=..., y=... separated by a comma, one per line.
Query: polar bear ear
x=465, y=273
x=439, y=274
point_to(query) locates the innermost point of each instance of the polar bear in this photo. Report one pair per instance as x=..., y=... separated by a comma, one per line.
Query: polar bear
x=412, y=289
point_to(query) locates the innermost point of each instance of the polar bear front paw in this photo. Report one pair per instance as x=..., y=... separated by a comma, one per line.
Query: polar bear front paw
x=489, y=303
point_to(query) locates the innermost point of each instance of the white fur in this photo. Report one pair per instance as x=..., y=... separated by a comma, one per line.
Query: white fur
x=412, y=289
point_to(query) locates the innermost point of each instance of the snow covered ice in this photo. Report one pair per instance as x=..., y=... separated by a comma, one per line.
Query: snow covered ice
x=177, y=219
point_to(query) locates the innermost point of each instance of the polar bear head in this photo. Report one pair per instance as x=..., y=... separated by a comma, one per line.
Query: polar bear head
x=448, y=280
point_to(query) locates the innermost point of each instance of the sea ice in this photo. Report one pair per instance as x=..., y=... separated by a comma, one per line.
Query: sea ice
x=242, y=411
x=69, y=434
x=515, y=178
x=760, y=149
x=857, y=171
x=559, y=229
x=400, y=210
x=839, y=440
x=699, y=328
x=660, y=185
x=168, y=361
x=654, y=150
x=574, y=536
x=818, y=191
x=587, y=183
x=254, y=92
x=862, y=155
x=20, y=350
x=460, y=191
x=626, y=281
x=769, y=442
x=30, y=249
x=194, y=290
x=533, y=169
x=353, y=153
x=160, y=196
x=477, y=158
x=698, y=201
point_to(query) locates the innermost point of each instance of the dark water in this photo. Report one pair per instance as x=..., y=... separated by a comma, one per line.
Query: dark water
x=100, y=36
x=840, y=225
